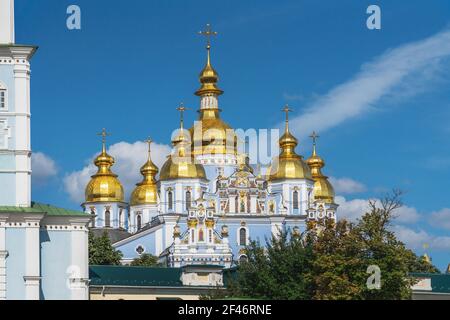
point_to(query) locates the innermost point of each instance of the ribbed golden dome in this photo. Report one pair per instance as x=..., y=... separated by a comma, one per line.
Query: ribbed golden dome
x=146, y=192
x=181, y=164
x=210, y=134
x=288, y=165
x=104, y=185
x=323, y=190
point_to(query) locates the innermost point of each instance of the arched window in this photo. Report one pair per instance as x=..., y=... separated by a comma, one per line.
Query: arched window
x=121, y=218
x=200, y=235
x=139, y=221
x=93, y=217
x=192, y=236
x=242, y=237
x=188, y=200
x=295, y=199
x=170, y=199
x=243, y=258
x=107, y=218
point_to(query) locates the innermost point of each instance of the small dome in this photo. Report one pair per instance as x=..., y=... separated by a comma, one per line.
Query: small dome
x=104, y=186
x=146, y=192
x=288, y=165
x=208, y=78
x=323, y=190
x=180, y=164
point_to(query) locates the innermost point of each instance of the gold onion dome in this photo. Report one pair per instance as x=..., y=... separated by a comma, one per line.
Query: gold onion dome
x=210, y=135
x=104, y=186
x=288, y=165
x=146, y=191
x=323, y=190
x=181, y=164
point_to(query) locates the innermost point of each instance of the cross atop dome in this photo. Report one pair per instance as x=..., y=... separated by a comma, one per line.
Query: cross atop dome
x=208, y=33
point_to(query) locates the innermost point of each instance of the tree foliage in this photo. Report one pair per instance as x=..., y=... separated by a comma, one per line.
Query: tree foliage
x=101, y=251
x=330, y=261
x=146, y=260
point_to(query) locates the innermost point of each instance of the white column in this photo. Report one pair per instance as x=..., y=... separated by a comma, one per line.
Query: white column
x=7, y=22
x=32, y=275
x=22, y=130
x=3, y=254
x=79, y=269
x=170, y=222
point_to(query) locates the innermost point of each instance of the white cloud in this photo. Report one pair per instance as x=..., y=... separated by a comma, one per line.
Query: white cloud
x=441, y=218
x=395, y=69
x=354, y=209
x=347, y=185
x=129, y=157
x=415, y=239
x=43, y=168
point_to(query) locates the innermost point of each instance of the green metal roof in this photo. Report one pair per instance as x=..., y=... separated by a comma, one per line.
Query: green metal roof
x=134, y=276
x=440, y=282
x=41, y=208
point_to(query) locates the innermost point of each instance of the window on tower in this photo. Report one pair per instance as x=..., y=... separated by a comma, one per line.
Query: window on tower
x=3, y=102
x=188, y=200
x=242, y=237
x=170, y=200
x=107, y=218
x=295, y=199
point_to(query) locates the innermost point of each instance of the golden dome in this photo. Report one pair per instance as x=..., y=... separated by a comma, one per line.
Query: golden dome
x=181, y=164
x=210, y=135
x=288, y=165
x=146, y=192
x=208, y=78
x=104, y=185
x=323, y=190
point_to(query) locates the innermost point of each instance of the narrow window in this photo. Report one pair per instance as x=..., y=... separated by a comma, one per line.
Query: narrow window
x=107, y=218
x=200, y=235
x=170, y=199
x=242, y=237
x=188, y=200
x=2, y=98
x=93, y=218
x=139, y=222
x=295, y=199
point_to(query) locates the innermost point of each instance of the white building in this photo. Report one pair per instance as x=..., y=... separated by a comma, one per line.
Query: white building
x=43, y=249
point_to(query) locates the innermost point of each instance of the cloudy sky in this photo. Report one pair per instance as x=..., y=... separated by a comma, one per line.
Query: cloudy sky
x=378, y=98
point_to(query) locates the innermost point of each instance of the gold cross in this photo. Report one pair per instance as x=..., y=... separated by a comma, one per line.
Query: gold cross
x=182, y=109
x=104, y=134
x=208, y=33
x=314, y=136
x=286, y=109
x=149, y=142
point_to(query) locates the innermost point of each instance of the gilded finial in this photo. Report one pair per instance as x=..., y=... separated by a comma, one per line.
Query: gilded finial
x=149, y=143
x=103, y=134
x=286, y=110
x=208, y=33
x=182, y=109
x=314, y=136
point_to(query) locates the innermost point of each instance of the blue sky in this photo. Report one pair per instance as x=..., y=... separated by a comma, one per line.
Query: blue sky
x=134, y=61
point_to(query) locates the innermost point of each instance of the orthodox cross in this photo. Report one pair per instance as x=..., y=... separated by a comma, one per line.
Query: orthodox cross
x=104, y=134
x=314, y=136
x=149, y=142
x=286, y=109
x=208, y=33
x=182, y=109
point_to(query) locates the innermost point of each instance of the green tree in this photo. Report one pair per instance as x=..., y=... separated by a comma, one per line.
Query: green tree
x=330, y=261
x=146, y=260
x=101, y=252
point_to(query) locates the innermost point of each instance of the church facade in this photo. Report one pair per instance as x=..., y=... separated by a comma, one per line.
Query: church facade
x=43, y=249
x=208, y=202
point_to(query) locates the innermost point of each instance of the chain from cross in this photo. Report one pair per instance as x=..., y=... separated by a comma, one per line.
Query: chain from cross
x=208, y=33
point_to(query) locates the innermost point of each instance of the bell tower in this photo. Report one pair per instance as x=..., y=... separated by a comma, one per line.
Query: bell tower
x=15, y=146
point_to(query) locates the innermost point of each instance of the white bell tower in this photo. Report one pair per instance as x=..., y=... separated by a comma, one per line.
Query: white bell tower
x=7, y=21
x=15, y=147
